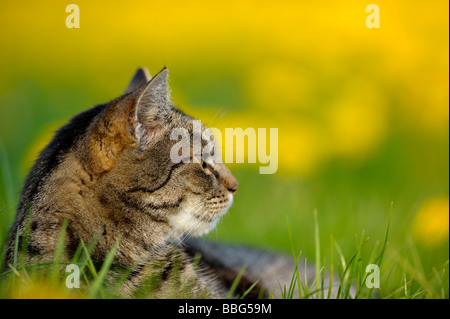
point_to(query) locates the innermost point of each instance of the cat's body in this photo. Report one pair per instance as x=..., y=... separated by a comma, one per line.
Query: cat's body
x=109, y=173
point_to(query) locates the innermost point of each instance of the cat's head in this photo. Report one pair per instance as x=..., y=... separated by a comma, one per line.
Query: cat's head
x=127, y=149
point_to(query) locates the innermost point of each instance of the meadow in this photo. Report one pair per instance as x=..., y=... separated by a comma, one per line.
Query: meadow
x=362, y=117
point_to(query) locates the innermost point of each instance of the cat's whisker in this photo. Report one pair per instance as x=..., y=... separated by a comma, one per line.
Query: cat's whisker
x=197, y=221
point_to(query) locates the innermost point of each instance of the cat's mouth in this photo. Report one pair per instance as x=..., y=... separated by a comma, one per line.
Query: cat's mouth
x=198, y=219
x=215, y=209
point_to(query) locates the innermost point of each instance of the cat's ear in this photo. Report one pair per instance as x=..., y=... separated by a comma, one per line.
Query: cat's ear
x=140, y=78
x=153, y=105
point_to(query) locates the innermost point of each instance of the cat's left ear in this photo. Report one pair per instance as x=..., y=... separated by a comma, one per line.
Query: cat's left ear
x=140, y=78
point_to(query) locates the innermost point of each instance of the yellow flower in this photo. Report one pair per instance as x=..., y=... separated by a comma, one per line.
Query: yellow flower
x=279, y=86
x=40, y=289
x=430, y=226
x=356, y=122
x=301, y=148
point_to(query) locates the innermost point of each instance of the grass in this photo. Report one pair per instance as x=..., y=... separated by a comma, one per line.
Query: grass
x=369, y=123
x=353, y=279
x=406, y=270
x=400, y=278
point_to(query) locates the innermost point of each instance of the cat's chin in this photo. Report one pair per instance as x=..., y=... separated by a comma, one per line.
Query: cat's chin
x=193, y=226
x=205, y=228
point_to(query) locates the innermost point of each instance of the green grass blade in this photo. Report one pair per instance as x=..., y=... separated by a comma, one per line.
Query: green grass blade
x=296, y=260
x=317, y=249
x=343, y=282
x=59, y=251
x=88, y=261
x=249, y=289
x=96, y=284
x=330, y=285
x=386, y=236
x=236, y=282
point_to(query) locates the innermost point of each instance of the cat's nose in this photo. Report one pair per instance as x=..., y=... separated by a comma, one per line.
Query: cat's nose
x=227, y=179
x=231, y=184
x=224, y=175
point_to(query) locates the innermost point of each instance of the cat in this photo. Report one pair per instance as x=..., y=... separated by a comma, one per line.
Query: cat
x=108, y=174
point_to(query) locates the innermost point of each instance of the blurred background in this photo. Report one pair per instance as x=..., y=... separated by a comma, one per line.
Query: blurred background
x=362, y=114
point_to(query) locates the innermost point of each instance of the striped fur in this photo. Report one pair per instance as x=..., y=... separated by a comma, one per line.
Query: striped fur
x=108, y=172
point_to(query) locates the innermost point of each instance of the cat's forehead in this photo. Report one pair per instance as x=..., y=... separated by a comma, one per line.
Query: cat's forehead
x=197, y=127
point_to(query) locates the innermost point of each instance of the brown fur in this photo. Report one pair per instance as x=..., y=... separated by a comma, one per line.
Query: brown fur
x=108, y=172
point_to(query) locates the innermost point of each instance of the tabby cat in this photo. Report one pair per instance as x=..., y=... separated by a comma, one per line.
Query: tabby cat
x=109, y=176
